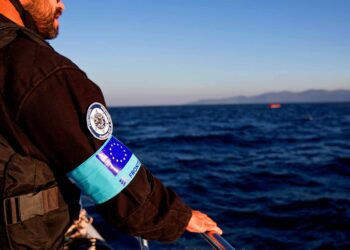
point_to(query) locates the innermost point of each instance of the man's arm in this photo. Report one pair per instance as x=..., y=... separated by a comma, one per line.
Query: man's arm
x=55, y=118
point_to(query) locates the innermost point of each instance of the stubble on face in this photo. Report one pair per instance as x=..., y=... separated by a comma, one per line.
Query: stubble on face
x=45, y=14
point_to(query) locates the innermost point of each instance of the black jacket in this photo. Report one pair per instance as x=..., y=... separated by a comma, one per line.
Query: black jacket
x=47, y=96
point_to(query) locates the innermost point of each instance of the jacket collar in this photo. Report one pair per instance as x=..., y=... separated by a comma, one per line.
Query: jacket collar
x=9, y=31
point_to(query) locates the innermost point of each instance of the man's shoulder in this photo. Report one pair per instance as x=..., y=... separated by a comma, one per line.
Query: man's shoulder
x=33, y=67
x=40, y=59
x=32, y=64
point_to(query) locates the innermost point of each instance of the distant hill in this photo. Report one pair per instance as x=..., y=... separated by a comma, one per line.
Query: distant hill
x=308, y=96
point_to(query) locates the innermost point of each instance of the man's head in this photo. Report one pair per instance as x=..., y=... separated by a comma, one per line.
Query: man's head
x=45, y=14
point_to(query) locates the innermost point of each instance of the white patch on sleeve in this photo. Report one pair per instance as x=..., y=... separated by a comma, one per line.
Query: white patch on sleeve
x=99, y=121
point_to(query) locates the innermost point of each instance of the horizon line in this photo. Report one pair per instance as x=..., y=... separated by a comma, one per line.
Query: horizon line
x=226, y=104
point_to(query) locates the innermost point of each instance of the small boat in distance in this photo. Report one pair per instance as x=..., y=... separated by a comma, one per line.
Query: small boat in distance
x=274, y=105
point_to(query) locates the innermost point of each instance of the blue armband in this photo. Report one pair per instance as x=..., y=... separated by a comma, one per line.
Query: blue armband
x=107, y=172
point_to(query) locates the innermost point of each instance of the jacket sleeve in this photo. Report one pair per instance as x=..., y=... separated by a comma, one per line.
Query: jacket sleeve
x=149, y=209
x=54, y=116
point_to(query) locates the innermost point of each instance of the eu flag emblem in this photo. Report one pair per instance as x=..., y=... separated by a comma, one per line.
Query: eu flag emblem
x=114, y=155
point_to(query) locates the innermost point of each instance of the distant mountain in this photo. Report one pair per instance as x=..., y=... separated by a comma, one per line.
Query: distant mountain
x=313, y=95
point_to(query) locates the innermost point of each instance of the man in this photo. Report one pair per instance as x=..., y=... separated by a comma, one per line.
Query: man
x=54, y=114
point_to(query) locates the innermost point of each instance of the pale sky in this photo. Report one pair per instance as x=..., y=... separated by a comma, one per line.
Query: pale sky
x=159, y=52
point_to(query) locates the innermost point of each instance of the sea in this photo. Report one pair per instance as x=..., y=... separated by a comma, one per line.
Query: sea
x=271, y=178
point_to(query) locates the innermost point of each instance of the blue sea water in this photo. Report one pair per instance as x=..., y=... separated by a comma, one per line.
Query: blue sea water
x=271, y=178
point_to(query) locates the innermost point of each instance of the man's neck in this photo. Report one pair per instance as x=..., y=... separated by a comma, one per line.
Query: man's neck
x=9, y=11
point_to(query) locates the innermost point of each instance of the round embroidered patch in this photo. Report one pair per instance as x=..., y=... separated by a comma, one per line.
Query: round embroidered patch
x=99, y=121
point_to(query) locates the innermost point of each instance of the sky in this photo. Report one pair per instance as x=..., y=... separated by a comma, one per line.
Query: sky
x=170, y=52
